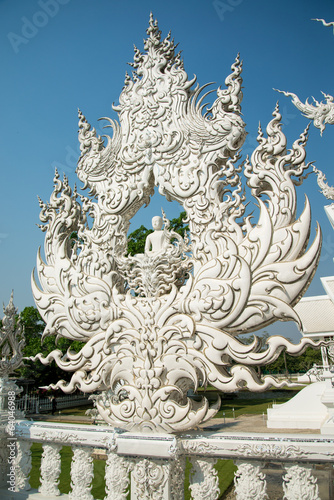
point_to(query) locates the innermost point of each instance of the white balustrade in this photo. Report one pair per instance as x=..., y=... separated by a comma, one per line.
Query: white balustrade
x=153, y=465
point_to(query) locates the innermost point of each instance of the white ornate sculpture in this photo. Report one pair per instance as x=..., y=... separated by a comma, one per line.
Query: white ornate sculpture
x=325, y=189
x=159, y=325
x=325, y=23
x=322, y=113
x=11, y=341
x=11, y=355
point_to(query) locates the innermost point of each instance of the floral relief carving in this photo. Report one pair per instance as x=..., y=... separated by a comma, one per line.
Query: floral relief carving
x=198, y=447
x=149, y=478
x=270, y=450
x=61, y=437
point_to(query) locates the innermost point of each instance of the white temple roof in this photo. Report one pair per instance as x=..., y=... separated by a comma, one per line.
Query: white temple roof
x=328, y=284
x=316, y=314
x=329, y=209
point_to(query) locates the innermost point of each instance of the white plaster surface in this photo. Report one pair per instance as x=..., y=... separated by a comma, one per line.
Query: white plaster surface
x=303, y=411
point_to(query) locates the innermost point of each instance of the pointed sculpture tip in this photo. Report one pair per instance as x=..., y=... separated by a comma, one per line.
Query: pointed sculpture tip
x=153, y=25
x=10, y=305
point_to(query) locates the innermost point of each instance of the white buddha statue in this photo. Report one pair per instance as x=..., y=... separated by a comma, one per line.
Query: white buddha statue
x=156, y=242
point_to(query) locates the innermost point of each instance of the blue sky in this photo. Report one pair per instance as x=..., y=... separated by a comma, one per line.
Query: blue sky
x=58, y=55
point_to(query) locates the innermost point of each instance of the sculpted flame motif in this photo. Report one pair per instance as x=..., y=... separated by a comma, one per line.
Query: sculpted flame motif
x=322, y=113
x=148, y=344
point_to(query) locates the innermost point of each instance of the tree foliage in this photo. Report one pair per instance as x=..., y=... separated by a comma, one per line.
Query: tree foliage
x=137, y=238
x=295, y=364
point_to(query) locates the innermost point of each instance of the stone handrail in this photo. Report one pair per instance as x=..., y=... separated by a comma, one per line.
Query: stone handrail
x=155, y=463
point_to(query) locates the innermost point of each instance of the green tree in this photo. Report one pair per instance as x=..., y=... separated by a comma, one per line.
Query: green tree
x=136, y=242
x=295, y=364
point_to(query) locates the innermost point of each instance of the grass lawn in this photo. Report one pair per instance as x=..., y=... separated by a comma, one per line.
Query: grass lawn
x=247, y=406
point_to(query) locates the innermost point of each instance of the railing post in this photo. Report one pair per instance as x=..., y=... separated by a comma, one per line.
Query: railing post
x=50, y=469
x=22, y=465
x=117, y=477
x=204, y=479
x=250, y=483
x=82, y=471
x=299, y=483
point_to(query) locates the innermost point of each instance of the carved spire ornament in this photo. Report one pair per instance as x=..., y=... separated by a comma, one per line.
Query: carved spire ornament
x=11, y=356
x=322, y=113
x=325, y=189
x=148, y=342
x=11, y=340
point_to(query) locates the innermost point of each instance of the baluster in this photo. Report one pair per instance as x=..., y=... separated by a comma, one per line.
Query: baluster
x=204, y=479
x=22, y=465
x=150, y=479
x=250, y=483
x=82, y=471
x=117, y=477
x=178, y=466
x=50, y=469
x=299, y=483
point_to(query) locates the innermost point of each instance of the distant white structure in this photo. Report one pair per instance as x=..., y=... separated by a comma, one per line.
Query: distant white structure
x=313, y=407
x=304, y=411
x=317, y=313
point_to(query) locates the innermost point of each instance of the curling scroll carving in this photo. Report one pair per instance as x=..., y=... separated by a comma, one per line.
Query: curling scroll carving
x=148, y=343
